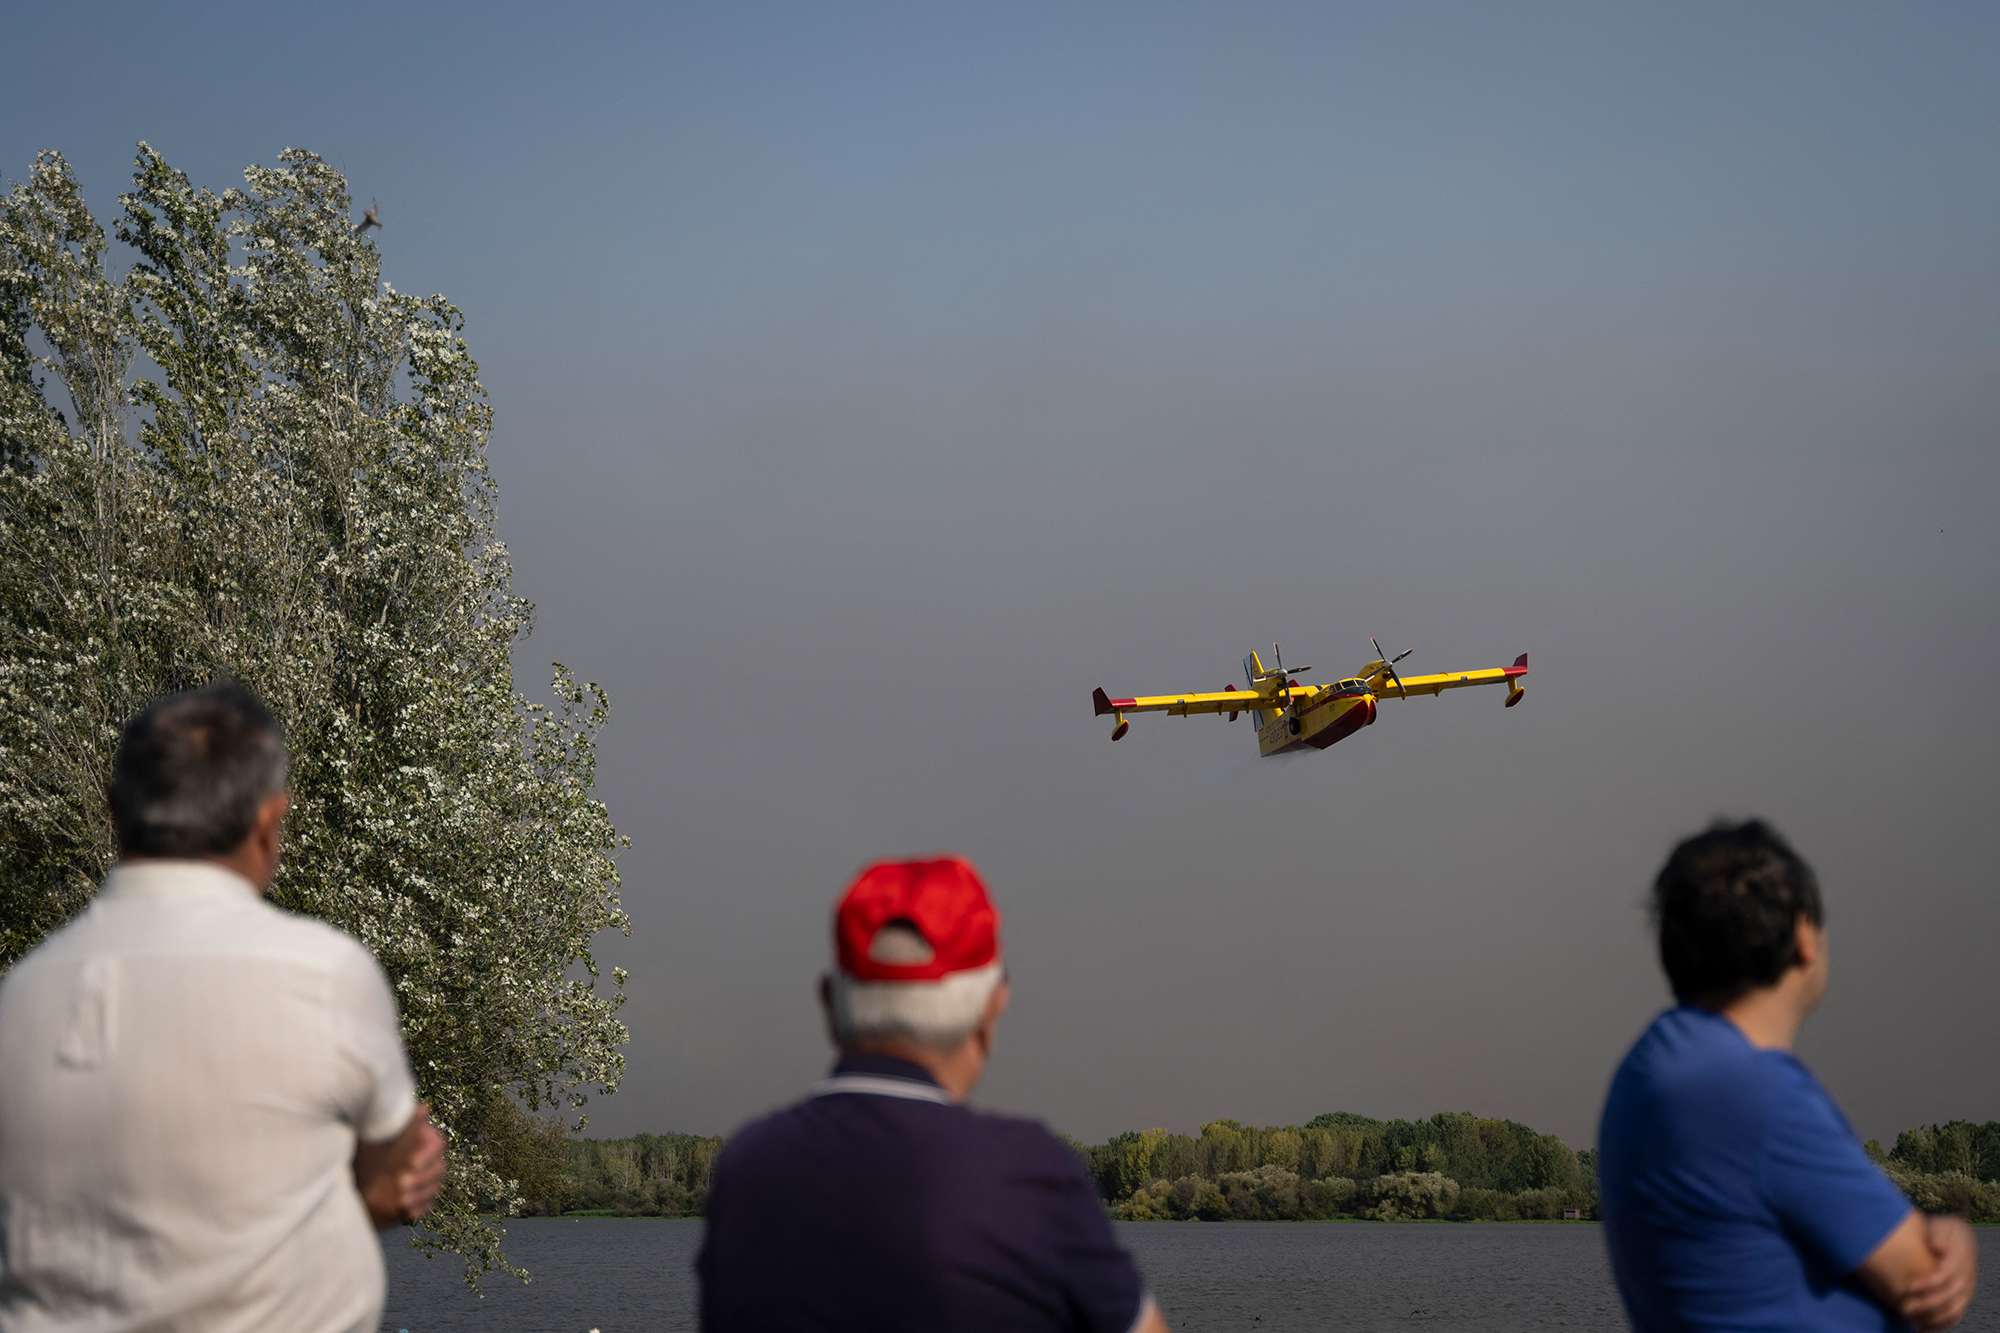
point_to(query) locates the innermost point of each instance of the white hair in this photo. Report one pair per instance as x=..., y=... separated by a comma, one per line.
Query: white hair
x=939, y=1014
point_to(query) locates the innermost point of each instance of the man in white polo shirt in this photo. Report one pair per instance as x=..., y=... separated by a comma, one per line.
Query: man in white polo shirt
x=205, y=1109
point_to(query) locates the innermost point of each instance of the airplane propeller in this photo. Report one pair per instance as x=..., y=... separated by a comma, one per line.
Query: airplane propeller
x=1285, y=680
x=1389, y=665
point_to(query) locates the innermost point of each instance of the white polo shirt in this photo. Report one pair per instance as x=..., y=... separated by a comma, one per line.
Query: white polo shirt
x=184, y=1070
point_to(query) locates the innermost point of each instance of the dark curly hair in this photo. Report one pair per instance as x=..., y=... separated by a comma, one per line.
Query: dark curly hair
x=1726, y=905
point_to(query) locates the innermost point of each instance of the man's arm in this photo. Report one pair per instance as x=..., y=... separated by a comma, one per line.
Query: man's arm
x=1940, y=1299
x=1902, y=1260
x=399, y=1178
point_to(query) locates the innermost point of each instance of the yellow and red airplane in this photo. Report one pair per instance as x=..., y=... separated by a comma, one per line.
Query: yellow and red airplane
x=1292, y=717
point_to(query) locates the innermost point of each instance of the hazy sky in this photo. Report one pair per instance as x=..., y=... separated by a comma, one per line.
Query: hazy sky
x=873, y=382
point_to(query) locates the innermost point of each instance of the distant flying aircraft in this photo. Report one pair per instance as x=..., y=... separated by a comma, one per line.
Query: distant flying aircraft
x=1290, y=717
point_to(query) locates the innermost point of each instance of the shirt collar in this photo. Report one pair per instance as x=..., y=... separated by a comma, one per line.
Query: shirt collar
x=882, y=1076
x=174, y=879
x=883, y=1066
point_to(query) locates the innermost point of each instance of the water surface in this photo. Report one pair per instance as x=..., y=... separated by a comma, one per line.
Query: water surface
x=620, y=1275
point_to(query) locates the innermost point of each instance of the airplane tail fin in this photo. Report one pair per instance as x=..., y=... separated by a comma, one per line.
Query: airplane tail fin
x=1253, y=673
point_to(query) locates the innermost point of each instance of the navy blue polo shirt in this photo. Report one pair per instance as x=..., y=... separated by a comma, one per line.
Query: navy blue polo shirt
x=879, y=1204
x=1734, y=1194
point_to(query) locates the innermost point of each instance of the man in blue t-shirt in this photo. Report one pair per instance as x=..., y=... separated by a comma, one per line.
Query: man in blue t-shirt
x=1734, y=1194
x=882, y=1202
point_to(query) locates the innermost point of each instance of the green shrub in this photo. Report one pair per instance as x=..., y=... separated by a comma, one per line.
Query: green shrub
x=1325, y=1198
x=1151, y=1203
x=1207, y=1201
x=1476, y=1205
x=1267, y=1194
x=1412, y=1194
x=1947, y=1191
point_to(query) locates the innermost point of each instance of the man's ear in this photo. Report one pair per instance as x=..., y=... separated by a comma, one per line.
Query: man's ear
x=996, y=1005
x=989, y=1021
x=267, y=834
x=1806, y=941
x=826, y=1008
x=271, y=814
x=265, y=842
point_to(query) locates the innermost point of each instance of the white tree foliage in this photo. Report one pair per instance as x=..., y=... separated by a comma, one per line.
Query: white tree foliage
x=268, y=464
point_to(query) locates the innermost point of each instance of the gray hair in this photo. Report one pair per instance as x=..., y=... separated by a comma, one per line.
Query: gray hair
x=939, y=1014
x=192, y=770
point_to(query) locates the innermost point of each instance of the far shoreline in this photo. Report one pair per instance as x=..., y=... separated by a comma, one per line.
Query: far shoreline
x=605, y=1215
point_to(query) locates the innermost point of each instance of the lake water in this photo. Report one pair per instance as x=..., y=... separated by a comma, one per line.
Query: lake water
x=624, y=1275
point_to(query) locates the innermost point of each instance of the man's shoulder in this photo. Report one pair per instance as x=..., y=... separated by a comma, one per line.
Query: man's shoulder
x=308, y=937
x=260, y=928
x=923, y=1125
x=1691, y=1080
x=765, y=1131
x=1692, y=1050
x=1026, y=1138
x=248, y=928
x=1800, y=1104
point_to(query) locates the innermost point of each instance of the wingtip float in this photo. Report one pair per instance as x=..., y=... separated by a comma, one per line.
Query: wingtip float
x=1291, y=717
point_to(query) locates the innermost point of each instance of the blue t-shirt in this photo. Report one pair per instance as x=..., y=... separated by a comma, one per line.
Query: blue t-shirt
x=880, y=1205
x=1734, y=1194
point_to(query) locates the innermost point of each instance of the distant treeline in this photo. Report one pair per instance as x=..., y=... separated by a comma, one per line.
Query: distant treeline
x=1343, y=1165
x=647, y=1175
x=1452, y=1166
x=1948, y=1168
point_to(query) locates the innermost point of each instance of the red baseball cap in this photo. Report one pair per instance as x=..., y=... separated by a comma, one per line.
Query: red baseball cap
x=943, y=900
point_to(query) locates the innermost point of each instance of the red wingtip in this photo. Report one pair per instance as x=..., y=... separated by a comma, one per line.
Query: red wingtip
x=1520, y=667
x=1100, y=702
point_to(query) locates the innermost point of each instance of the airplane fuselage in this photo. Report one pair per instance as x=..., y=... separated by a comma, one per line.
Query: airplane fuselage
x=1330, y=715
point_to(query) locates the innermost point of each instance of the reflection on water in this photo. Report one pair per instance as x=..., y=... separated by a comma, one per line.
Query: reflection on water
x=604, y=1273
x=1301, y=1275
x=620, y=1276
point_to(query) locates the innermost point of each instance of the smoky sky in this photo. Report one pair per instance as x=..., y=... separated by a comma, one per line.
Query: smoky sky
x=873, y=382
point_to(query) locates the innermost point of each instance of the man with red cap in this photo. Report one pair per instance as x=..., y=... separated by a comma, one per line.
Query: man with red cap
x=882, y=1202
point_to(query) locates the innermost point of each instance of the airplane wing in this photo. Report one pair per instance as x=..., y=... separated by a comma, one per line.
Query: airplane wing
x=1451, y=680
x=1181, y=705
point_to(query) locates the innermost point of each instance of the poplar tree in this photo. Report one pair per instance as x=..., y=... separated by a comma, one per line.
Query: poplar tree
x=245, y=455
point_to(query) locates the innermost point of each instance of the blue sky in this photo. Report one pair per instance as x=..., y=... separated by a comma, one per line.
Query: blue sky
x=909, y=371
